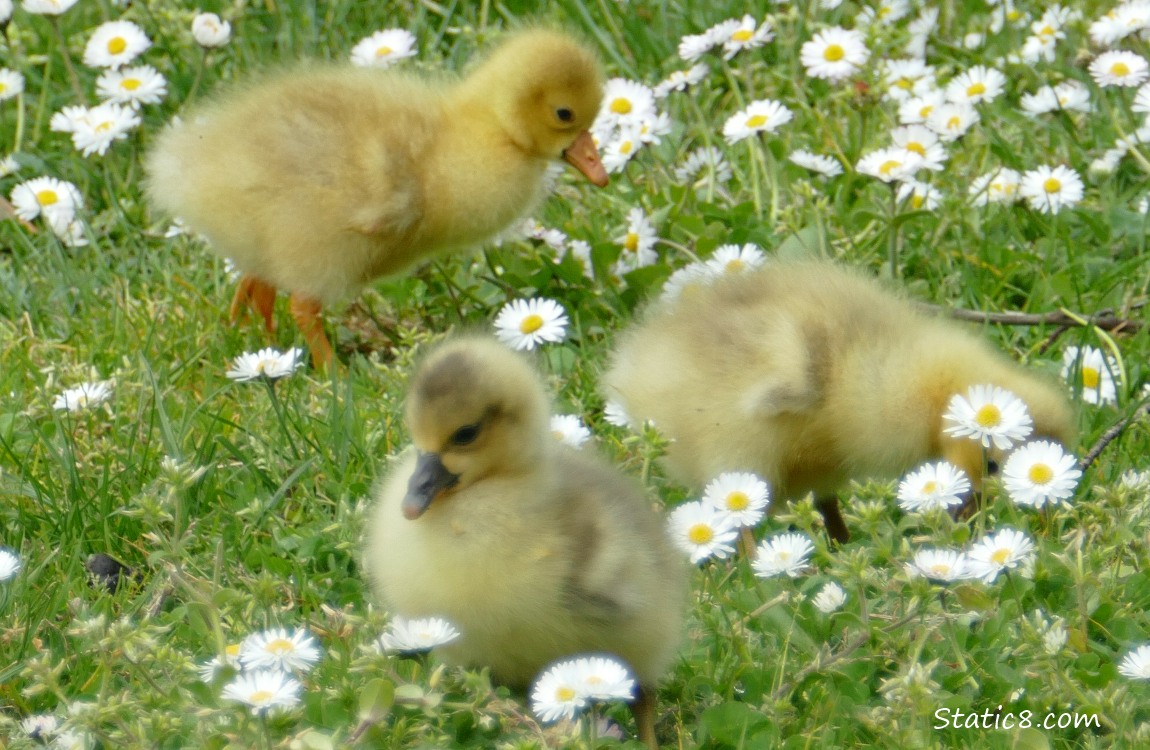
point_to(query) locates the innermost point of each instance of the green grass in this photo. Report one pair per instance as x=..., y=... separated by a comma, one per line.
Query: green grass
x=269, y=533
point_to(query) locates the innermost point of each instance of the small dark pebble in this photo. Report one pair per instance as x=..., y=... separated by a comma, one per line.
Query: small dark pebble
x=107, y=572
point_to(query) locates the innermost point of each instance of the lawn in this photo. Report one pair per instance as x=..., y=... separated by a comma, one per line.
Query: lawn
x=237, y=506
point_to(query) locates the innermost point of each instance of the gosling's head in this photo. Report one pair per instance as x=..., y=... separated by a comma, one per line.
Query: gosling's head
x=545, y=88
x=475, y=410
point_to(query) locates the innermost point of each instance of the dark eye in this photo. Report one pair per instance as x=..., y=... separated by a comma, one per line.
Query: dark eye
x=565, y=115
x=465, y=435
x=991, y=467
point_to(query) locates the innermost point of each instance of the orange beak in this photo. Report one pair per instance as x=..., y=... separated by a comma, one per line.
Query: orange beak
x=583, y=155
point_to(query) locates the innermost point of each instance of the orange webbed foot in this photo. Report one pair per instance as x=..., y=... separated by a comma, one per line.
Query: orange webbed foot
x=306, y=312
x=259, y=296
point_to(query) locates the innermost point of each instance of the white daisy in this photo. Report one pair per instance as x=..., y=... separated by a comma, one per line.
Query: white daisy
x=1090, y=372
x=114, y=44
x=10, y=564
x=71, y=739
x=938, y=485
x=782, y=554
x=40, y=726
x=620, y=149
x=701, y=531
x=692, y=275
x=604, y=679
x=824, y=165
x=917, y=109
x=384, y=48
x=889, y=164
x=746, y=34
x=615, y=414
x=526, y=324
x=1119, y=68
x=1037, y=49
x=557, y=693
x=210, y=31
x=654, y=128
x=763, y=116
x=580, y=250
x=952, y=121
x=1005, y=549
x=211, y=669
x=1136, y=664
x=100, y=126
x=276, y=648
x=47, y=7
x=999, y=186
x=569, y=430
x=706, y=159
x=1067, y=96
x=264, y=690
x=8, y=165
x=406, y=636
x=1050, y=189
x=267, y=363
x=69, y=231
x=681, y=80
x=11, y=84
x=735, y=259
x=907, y=78
x=83, y=396
x=1141, y=101
x=990, y=415
x=138, y=85
x=638, y=242
x=938, y=565
x=48, y=196
x=975, y=86
x=920, y=195
x=743, y=496
x=1040, y=472
x=694, y=46
x=830, y=598
x=834, y=54
x=923, y=141
x=626, y=103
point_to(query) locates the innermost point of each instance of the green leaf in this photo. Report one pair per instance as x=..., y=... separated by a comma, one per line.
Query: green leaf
x=376, y=700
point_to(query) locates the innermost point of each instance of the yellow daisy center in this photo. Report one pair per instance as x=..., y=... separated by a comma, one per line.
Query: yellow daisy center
x=905, y=84
x=925, y=111
x=232, y=649
x=558, y=434
x=834, y=53
x=594, y=680
x=531, y=323
x=383, y=51
x=988, y=416
x=700, y=533
x=3, y=87
x=626, y=146
x=1040, y=474
x=917, y=200
x=280, y=646
x=1091, y=378
x=783, y=555
x=756, y=121
x=884, y=11
x=889, y=166
x=734, y=265
x=104, y=127
x=565, y=694
x=621, y=106
x=917, y=148
x=976, y=88
x=940, y=570
x=131, y=84
x=1052, y=185
x=738, y=501
x=1120, y=69
x=47, y=197
x=631, y=242
x=1000, y=556
x=117, y=45
x=1046, y=31
x=742, y=35
x=954, y=123
x=261, y=696
x=930, y=488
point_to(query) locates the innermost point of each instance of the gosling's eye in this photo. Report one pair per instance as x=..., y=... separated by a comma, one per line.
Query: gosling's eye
x=991, y=467
x=465, y=435
x=565, y=115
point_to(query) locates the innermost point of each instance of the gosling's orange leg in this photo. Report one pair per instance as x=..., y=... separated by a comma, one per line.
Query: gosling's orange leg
x=259, y=296
x=644, y=711
x=305, y=311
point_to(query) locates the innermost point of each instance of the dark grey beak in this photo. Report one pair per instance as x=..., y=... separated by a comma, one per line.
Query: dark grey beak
x=429, y=479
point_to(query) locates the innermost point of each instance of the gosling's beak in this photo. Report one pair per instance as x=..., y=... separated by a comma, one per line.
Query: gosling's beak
x=583, y=155
x=429, y=479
